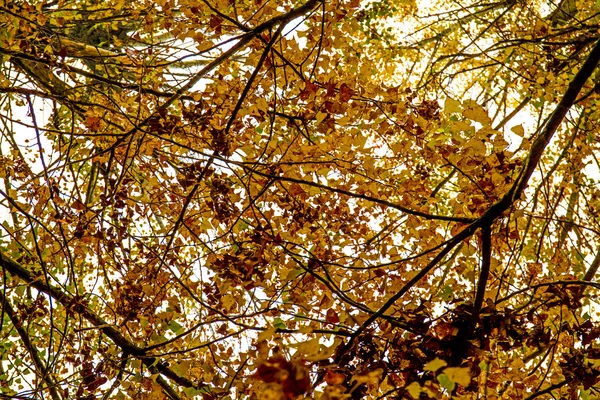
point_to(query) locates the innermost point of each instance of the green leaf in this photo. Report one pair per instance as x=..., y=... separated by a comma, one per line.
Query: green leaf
x=584, y=394
x=446, y=293
x=279, y=324
x=484, y=366
x=191, y=392
x=446, y=382
x=175, y=327
x=242, y=225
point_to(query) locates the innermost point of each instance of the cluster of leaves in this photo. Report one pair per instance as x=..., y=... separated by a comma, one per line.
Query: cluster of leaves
x=281, y=199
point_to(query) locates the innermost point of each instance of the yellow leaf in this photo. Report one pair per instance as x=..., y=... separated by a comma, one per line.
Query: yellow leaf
x=518, y=130
x=320, y=117
x=452, y=106
x=435, y=364
x=42, y=19
x=497, y=179
x=182, y=367
x=305, y=329
x=310, y=347
x=477, y=147
x=462, y=376
x=371, y=377
x=460, y=126
x=266, y=334
x=500, y=143
x=414, y=389
x=262, y=104
x=468, y=251
x=476, y=113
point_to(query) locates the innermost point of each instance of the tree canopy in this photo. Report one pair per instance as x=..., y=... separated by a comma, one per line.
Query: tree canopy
x=258, y=199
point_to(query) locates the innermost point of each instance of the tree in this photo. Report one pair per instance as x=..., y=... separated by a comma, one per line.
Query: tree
x=257, y=199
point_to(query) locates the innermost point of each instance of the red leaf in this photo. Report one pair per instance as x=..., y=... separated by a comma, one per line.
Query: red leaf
x=330, y=89
x=215, y=23
x=345, y=93
x=309, y=89
x=270, y=370
x=332, y=316
x=93, y=123
x=333, y=378
x=297, y=191
x=293, y=377
x=78, y=205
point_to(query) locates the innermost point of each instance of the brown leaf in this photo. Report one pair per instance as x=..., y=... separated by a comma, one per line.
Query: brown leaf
x=345, y=93
x=332, y=316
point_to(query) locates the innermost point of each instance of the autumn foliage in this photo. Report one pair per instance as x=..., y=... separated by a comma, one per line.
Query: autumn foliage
x=261, y=199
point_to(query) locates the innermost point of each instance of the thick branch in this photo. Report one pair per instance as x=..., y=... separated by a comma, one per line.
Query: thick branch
x=486, y=255
x=78, y=307
x=42, y=371
x=557, y=117
x=244, y=40
x=591, y=271
x=549, y=389
x=68, y=301
x=496, y=210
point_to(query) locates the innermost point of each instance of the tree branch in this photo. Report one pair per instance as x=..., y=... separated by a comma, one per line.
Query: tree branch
x=496, y=210
x=109, y=330
x=486, y=255
x=42, y=371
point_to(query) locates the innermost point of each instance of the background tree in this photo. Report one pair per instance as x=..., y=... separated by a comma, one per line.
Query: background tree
x=260, y=199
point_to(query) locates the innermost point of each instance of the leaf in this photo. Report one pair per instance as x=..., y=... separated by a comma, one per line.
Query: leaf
x=333, y=378
x=475, y=112
x=309, y=90
x=190, y=392
x=310, y=347
x=320, y=117
x=434, y=365
x=93, y=123
x=476, y=147
x=266, y=334
x=296, y=190
x=332, y=316
x=373, y=377
x=345, y=93
x=414, y=389
x=279, y=324
x=518, y=130
x=459, y=375
x=446, y=382
x=452, y=106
